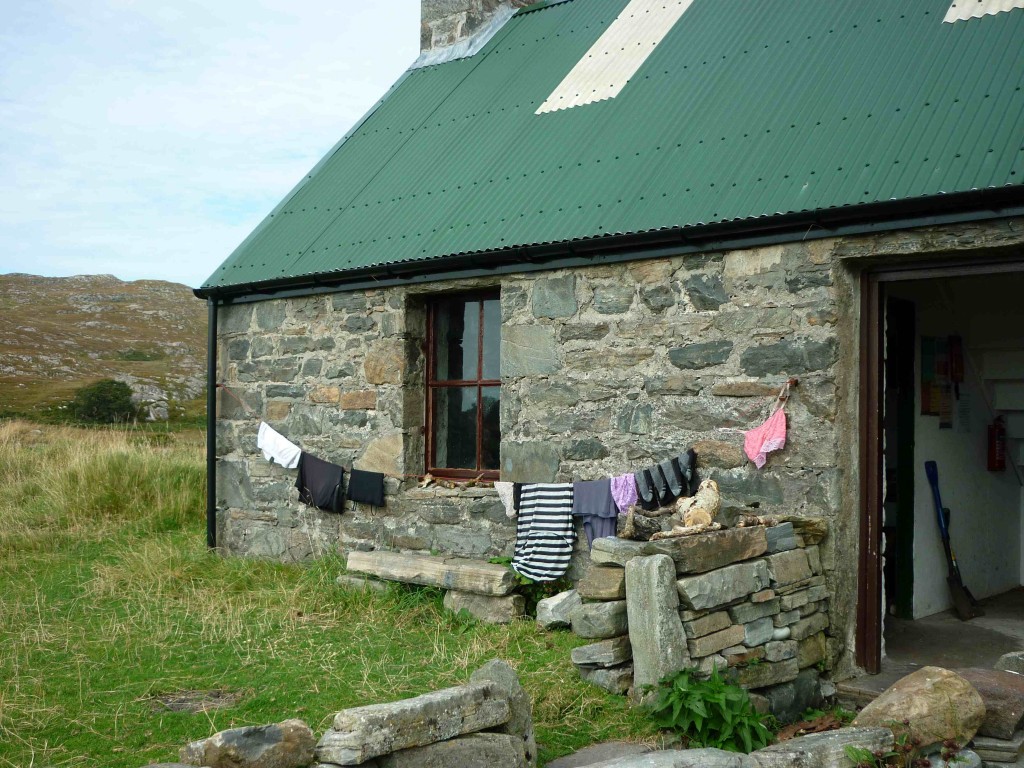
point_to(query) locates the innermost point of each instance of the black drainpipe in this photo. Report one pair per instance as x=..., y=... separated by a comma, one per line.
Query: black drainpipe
x=211, y=424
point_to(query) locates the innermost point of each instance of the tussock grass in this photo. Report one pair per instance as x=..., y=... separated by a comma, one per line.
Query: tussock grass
x=109, y=599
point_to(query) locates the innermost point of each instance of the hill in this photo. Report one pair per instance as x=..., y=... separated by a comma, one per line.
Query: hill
x=58, y=333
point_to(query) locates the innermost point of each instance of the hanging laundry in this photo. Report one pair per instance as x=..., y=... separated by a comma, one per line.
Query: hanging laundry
x=544, y=533
x=770, y=436
x=276, y=447
x=592, y=500
x=624, y=492
x=506, y=492
x=687, y=463
x=320, y=483
x=366, y=487
x=517, y=496
x=647, y=498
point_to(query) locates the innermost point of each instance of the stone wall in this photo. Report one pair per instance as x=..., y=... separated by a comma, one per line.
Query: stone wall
x=446, y=22
x=604, y=369
x=752, y=601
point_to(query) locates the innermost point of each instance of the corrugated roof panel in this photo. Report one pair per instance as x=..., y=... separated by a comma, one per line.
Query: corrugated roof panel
x=962, y=10
x=743, y=111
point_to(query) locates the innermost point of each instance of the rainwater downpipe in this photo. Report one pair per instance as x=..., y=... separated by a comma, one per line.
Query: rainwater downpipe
x=211, y=424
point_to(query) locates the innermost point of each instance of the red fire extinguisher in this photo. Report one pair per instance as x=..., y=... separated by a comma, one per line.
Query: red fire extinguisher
x=997, y=445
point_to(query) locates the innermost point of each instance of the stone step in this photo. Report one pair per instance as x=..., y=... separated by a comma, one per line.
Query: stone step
x=692, y=554
x=1000, y=751
x=1003, y=694
x=448, y=572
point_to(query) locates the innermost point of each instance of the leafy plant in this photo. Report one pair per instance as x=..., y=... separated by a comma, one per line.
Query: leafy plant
x=709, y=713
x=533, y=591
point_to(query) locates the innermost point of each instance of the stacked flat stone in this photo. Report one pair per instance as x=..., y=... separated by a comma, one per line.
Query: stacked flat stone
x=482, y=589
x=753, y=600
x=600, y=614
x=487, y=723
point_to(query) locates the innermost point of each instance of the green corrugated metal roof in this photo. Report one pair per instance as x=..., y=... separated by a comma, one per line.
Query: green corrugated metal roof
x=745, y=111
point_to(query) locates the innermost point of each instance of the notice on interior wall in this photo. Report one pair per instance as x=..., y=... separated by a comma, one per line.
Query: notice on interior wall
x=963, y=412
x=946, y=406
x=929, y=406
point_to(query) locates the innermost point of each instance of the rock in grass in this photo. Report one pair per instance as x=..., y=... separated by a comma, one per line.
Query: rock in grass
x=682, y=758
x=363, y=733
x=520, y=721
x=288, y=744
x=823, y=750
x=476, y=750
x=555, y=612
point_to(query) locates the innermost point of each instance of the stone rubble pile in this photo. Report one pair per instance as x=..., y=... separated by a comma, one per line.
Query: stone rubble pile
x=753, y=600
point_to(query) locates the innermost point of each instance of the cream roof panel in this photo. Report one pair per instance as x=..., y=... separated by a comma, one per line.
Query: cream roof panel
x=617, y=54
x=961, y=10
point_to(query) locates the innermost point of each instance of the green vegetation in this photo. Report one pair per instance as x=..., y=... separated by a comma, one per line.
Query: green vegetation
x=134, y=355
x=113, y=611
x=103, y=402
x=709, y=713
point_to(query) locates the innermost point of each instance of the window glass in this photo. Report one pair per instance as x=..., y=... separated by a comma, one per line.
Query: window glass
x=456, y=340
x=491, y=424
x=492, y=339
x=454, y=425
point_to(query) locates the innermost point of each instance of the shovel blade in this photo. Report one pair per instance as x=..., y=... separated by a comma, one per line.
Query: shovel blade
x=962, y=603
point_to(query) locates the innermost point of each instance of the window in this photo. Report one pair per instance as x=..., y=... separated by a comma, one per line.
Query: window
x=463, y=385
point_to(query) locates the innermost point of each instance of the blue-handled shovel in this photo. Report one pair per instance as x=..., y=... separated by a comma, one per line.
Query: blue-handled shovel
x=963, y=601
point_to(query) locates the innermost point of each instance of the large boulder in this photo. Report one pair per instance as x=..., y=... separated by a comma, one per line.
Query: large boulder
x=288, y=744
x=937, y=704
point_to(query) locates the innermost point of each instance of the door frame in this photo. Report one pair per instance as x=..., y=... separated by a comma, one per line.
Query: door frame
x=868, y=647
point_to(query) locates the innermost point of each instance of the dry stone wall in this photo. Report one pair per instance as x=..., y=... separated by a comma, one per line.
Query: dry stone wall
x=752, y=601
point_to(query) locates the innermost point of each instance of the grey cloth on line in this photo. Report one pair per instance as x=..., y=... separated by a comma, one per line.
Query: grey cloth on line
x=592, y=500
x=544, y=531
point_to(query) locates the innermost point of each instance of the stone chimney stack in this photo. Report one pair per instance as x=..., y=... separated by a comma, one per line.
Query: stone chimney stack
x=448, y=23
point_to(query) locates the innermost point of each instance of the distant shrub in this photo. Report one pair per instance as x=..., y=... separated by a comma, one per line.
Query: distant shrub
x=105, y=402
x=140, y=355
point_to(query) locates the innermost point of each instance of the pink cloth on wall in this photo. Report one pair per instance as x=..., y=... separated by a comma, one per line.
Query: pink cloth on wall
x=770, y=436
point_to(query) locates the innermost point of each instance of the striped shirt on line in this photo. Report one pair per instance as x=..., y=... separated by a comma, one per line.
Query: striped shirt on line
x=544, y=532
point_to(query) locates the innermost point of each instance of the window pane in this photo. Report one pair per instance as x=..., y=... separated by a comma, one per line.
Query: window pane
x=454, y=424
x=456, y=339
x=492, y=339
x=491, y=427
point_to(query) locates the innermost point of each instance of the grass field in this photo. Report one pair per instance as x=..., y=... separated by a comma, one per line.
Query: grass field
x=112, y=613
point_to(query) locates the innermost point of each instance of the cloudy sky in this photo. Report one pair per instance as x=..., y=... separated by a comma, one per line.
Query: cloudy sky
x=146, y=138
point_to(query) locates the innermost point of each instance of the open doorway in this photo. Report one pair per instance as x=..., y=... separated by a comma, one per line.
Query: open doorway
x=949, y=367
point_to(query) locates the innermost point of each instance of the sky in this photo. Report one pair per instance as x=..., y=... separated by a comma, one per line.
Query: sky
x=146, y=138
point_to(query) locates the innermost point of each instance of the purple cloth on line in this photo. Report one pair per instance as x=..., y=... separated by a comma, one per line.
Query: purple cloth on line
x=624, y=492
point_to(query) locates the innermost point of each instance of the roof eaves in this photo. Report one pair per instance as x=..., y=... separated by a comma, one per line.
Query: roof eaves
x=890, y=215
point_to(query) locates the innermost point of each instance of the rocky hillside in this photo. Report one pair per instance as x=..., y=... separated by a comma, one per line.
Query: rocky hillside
x=58, y=333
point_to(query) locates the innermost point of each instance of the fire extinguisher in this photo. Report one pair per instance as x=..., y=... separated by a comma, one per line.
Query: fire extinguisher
x=997, y=445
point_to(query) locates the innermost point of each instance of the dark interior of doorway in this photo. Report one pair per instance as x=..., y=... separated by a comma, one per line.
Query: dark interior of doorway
x=898, y=500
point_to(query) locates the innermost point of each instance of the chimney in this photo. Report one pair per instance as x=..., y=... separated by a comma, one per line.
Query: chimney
x=451, y=29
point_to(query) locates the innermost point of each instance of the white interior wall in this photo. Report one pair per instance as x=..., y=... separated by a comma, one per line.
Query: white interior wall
x=985, y=506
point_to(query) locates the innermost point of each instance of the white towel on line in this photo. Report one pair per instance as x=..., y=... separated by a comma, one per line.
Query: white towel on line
x=276, y=447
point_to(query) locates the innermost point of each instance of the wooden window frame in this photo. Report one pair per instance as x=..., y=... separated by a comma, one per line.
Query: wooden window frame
x=433, y=384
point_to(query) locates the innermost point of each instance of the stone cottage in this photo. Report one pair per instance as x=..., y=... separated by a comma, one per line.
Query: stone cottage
x=580, y=236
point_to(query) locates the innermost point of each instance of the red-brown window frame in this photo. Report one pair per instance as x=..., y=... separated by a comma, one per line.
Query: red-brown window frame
x=434, y=384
